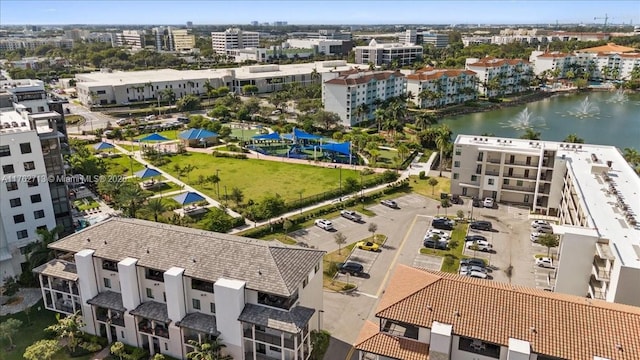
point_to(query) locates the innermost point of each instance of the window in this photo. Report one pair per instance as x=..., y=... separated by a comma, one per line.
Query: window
x=107, y=283
x=22, y=234
x=5, y=151
x=25, y=148
x=474, y=178
x=519, y=183
x=491, y=181
x=479, y=169
x=456, y=176
x=149, y=293
x=305, y=282
x=15, y=202
x=196, y=304
x=36, y=198
x=8, y=169
x=12, y=185
x=17, y=219
x=109, y=265
x=212, y=307
x=317, y=268
x=458, y=152
x=505, y=182
x=32, y=182
x=456, y=164
x=202, y=285
x=29, y=165
x=164, y=296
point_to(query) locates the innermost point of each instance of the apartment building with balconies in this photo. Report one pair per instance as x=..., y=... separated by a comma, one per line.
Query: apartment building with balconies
x=387, y=53
x=354, y=94
x=589, y=190
x=498, y=77
x=431, y=88
x=434, y=315
x=157, y=286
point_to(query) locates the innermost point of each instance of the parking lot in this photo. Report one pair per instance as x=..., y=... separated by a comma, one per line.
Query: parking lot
x=405, y=228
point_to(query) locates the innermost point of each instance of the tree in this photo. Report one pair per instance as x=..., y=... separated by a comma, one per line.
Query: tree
x=403, y=152
x=10, y=286
x=350, y=185
x=68, y=329
x=41, y=350
x=340, y=239
x=549, y=241
x=188, y=103
x=217, y=220
x=327, y=119
x=530, y=134
x=39, y=252
x=8, y=329
x=286, y=226
x=433, y=182
x=573, y=138
x=130, y=197
x=155, y=207
x=208, y=351
x=249, y=89
x=118, y=350
x=443, y=138
x=236, y=195
x=373, y=227
x=168, y=95
x=158, y=357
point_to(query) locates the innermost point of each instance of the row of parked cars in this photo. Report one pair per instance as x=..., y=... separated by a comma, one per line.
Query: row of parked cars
x=473, y=267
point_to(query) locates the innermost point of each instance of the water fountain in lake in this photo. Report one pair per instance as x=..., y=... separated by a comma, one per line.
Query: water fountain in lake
x=619, y=97
x=585, y=109
x=525, y=120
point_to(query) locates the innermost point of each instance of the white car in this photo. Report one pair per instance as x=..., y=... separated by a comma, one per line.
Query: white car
x=474, y=274
x=473, y=268
x=488, y=202
x=544, y=262
x=482, y=245
x=324, y=224
x=443, y=235
x=535, y=237
x=536, y=223
x=545, y=229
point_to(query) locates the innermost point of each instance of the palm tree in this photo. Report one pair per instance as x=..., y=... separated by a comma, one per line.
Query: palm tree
x=573, y=138
x=443, y=138
x=380, y=115
x=155, y=207
x=39, y=252
x=68, y=329
x=631, y=155
x=168, y=95
x=361, y=111
x=530, y=134
x=208, y=88
x=403, y=151
x=208, y=351
x=236, y=195
x=130, y=197
x=423, y=120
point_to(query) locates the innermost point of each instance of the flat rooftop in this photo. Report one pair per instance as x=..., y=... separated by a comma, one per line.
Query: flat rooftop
x=245, y=72
x=13, y=122
x=594, y=190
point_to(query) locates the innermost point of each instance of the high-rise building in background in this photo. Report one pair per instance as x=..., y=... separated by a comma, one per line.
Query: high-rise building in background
x=233, y=38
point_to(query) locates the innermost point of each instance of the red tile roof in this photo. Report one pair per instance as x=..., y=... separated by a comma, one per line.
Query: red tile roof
x=553, y=55
x=558, y=325
x=391, y=346
x=430, y=73
x=355, y=77
x=489, y=61
x=609, y=48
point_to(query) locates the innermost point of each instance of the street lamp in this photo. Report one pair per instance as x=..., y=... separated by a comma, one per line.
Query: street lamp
x=340, y=180
x=218, y=183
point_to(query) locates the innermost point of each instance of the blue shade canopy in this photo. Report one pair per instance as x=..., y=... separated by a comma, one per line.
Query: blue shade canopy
x=154, y=137
x=301, y=135
x=188, y=198
x=342, y=148
x=147, y=173
x=271, y=136
x=197, y=134
x=103, y=146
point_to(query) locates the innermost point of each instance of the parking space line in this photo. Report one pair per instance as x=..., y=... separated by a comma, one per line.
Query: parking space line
x=395, y=258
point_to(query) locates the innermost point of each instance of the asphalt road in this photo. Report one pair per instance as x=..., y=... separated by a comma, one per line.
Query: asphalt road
x=95, y=120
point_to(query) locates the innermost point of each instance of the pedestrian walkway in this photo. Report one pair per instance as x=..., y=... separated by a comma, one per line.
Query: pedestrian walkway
x=30, y=296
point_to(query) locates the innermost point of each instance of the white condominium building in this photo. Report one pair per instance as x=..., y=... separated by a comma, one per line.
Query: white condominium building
x=590, y=190
x=10, y=44
x=430, y=87
x=157, y=286
x=432, y=315
x=234, y=38
x=321, y=46
x=497, y=77
x=353, y=94
x=379, y=54
x=131, y=39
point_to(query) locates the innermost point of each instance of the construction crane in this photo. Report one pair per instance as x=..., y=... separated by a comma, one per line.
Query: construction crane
x=605, y=18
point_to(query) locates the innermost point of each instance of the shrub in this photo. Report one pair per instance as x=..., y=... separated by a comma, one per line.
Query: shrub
x=227, y=155
x=448, y=260
x=348, y=287
x=332, y=269
x=422, y=175
x=320, y=342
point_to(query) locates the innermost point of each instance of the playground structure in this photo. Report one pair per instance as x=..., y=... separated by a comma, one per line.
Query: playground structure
x=302, y=145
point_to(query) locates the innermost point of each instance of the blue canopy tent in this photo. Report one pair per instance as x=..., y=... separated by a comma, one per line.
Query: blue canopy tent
x=342, y=148
x=147, y=173
x=197, y=134
x=270, y=136
x=188, y=198
x=154, y=137
x=302, y=135
x=102, y=146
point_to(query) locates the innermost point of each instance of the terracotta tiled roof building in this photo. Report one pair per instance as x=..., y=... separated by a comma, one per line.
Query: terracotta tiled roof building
x=429, y=87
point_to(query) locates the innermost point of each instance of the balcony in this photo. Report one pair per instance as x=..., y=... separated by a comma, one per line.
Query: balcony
x=272, y=339
x=155, y=275
x=277, y=301
x=599, y=270
x=532, y=163
x=479, y=347
x=520, y=176
x=596, y=290
x=528, y=189
x=493, y=160
x=492, y=173
x=259, y=356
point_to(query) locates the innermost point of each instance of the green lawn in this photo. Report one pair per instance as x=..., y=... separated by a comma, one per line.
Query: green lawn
x=257, y=177
x=238, y=133
x=85, y=204
x=122, y=165
x=169, y=134
x=165, y=187
x=422, y=187
x=130, y=147
x=386, y=157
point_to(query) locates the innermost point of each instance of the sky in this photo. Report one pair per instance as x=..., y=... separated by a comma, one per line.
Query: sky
x=150, y=12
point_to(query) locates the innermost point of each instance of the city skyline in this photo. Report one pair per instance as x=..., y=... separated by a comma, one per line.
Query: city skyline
x=315, y=12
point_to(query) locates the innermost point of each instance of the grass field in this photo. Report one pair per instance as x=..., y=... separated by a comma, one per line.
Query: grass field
x=130, y=147
x=86, y=204
x=257, y=177
x=165, y=187
x=122, y=165
x=169, y=134
x=386, y=157
x=238, y=133
x=422, y=187
x=334, y=257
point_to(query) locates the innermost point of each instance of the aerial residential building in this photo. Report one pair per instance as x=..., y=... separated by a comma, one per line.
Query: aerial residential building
x=131, y=39
x=234, y=38
x=433, y=315
x=387, y=53
x=101, y=88
x=156, y=286
x=589, y=190
x=430, y=87
x=498, y=77
x=353, y=94
x=10, y=44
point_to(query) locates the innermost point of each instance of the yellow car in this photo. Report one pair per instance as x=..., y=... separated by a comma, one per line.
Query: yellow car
x=368, y=245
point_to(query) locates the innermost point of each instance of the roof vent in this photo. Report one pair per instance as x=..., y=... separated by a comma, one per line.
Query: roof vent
x=88, y=240
x=259, y=272
x=533, y=330
x=147, y=251
x=619, y=347
x=429, y=308
x=456, y=313
x=193, y=259
x=105, y=242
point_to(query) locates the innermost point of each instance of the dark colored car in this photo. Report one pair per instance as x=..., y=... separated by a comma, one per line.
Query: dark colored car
x=442, y=224
x=433, y=244
x=476, y=202
x=350, y=267
x=456, y=199
x=472, y=262
x=481, y=225
x=474, y=238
